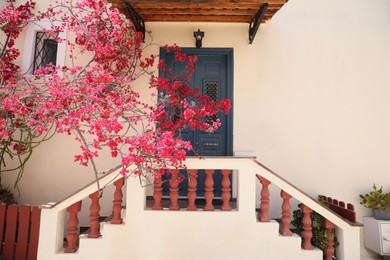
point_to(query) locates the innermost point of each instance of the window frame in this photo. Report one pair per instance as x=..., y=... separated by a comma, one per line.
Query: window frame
x=29, y=45
x=45, y=51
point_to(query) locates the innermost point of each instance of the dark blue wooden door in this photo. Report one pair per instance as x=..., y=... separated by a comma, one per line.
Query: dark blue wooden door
x=214, y=77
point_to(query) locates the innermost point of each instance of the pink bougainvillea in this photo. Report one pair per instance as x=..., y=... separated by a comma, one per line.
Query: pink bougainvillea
x=96, y=101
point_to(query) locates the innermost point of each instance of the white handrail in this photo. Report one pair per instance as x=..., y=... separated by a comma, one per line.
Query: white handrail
x=109, y=178
x=234, y=163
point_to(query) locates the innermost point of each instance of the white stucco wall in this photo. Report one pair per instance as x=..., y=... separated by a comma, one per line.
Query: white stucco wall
x=310, y=94
x=311, y=98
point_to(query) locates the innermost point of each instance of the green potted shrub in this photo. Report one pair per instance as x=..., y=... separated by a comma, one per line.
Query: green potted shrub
x=378, y=201
x=320, y=234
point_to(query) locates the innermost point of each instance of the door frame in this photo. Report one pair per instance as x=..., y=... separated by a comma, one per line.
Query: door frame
x=228, y=52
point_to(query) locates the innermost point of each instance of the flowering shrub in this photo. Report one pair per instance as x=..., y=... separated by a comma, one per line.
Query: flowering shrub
x=12, y=21
x=16, y=137
x=96, y=101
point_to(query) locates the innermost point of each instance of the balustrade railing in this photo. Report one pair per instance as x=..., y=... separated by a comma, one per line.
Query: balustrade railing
x=191, y=189
x=347, y=214
x=246, y=171
x=72, y=229
x=264, y=203
x=73, y=205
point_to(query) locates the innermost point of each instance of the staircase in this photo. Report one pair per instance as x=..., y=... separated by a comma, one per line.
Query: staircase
x=152, y=233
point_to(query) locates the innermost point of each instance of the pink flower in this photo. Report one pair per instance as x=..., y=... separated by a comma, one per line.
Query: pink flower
x=189, y=114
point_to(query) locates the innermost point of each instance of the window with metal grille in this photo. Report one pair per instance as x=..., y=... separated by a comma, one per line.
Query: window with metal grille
x=211, y=90
x=45, y=51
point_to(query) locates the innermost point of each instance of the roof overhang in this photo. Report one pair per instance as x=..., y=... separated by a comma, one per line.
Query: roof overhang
x=253, y=12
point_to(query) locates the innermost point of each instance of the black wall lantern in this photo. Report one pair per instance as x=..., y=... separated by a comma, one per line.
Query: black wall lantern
x=198, y=37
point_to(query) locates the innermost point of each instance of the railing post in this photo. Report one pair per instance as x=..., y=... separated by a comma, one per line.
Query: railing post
x=72, y=231
x=329, y=250
x=286, y=210
x=208, y=190
x=94, y=215
x=117, y=203
x=157, y=193
x=174, y=190
x=264, y=204
x=307, y=230
x=192, y=183
x=226, y=190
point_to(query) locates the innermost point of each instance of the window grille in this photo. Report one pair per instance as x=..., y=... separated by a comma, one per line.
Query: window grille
x=211, y=90
x=45, y=50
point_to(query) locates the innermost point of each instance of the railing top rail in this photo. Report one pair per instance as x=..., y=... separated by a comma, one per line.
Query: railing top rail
x=264, y=171
x=108, y=177
x=323, y=208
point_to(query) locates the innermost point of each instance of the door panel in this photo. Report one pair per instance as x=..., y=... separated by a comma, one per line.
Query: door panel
x=213, y=76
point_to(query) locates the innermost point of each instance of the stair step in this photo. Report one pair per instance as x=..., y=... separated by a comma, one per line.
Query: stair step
x=86, y=229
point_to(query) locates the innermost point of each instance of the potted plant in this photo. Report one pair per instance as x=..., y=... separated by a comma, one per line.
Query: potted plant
x=378, y=201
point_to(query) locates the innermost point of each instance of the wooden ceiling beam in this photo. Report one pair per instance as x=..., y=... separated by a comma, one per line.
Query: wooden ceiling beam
x=192, y=18
x=236, y=2
x=177, y=9
x=205, y=18
x=186, y=5
x=149, y=12
x=197, y=5
x=199, y=11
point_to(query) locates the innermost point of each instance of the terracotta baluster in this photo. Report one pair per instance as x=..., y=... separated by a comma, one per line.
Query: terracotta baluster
x=174, y=190
x=209, y=190
x=192, y=183
x=329, y=250
x=72, y=230
x=226, y=190
x=157, y=193
x=94, y=215
x=264, y=204
x=286, y=211
x=117, y=207
x=307, y=230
